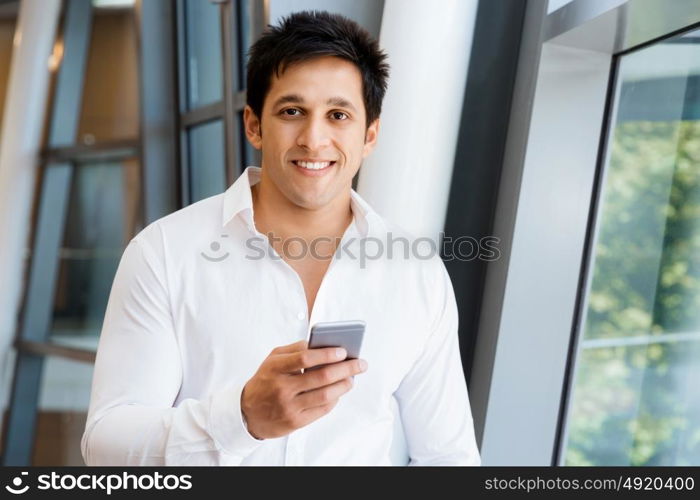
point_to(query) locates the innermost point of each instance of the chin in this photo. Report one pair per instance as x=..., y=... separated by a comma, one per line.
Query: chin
x=308, y=203
x=311, y=204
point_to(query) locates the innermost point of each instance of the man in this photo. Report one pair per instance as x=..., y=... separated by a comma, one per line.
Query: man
x=203, y=356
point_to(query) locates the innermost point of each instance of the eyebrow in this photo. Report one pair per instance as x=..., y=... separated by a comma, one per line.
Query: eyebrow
x=297, y=99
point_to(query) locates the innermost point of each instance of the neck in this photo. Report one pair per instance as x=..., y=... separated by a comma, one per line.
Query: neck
x=275, y=213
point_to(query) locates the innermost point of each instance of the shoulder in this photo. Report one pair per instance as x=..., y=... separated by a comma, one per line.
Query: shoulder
x=183, y=228
x=412, y=255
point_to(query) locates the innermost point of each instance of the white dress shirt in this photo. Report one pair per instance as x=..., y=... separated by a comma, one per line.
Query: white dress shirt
x=191, y=316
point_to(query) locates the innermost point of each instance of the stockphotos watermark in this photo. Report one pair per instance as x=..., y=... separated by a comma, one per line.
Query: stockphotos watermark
x=107, y=483
x=461, y=248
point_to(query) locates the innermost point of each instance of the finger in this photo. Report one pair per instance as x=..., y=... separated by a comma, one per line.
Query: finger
x=316, y=412
x=295, y=361
x=295, y=347
x=330, y=374
x=323, y=395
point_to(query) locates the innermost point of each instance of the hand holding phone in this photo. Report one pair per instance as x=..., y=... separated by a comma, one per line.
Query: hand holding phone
x=274, y=404
x=345, y=334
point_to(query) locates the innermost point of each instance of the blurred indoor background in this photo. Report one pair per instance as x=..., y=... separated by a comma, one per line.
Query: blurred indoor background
x=570, y=130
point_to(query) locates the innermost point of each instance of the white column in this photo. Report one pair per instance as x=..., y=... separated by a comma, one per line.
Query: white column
x=407, y=178
x=22, y=125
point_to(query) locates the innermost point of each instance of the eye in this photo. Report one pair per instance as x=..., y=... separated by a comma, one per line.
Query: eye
x=290, y=112
x=339, y=115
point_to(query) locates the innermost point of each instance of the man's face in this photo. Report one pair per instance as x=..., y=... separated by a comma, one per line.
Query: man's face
x=313, y=116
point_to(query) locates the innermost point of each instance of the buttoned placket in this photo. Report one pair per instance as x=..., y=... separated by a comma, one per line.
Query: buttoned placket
x=297, y=314
x=295, y=442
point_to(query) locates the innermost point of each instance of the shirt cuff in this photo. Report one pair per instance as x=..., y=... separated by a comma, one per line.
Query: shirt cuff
x=226, y=424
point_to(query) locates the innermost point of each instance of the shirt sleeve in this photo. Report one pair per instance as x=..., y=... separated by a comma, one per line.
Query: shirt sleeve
x=432, y=397
x=132, y=419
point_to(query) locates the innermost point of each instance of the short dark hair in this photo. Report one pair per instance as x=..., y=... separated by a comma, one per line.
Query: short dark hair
x=309, y=34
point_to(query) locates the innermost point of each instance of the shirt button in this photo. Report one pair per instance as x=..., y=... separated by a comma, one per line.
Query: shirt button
x=301, y=315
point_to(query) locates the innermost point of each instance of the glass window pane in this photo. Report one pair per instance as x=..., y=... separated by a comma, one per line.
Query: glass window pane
x=204, y=59
x=110, y=106
x=634, y=400
x=207, y=165
x=63, y=404
x=102, y=217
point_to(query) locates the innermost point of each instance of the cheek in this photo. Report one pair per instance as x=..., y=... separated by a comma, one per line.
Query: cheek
x=276, y=140
x=352, y=143
x=286, y=136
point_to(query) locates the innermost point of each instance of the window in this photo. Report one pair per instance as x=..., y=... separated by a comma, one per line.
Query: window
x=206, y=149
x=212, y=42
x=634, y=400
x=87, y=210
x=97, y=183
x=102, y=216
x=203, y=53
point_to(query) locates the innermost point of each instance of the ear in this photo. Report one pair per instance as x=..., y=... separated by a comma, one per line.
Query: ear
x=370, y=138
x=252, y=127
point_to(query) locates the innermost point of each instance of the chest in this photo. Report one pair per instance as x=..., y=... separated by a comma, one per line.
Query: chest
x=229, y=315
x=311, y=272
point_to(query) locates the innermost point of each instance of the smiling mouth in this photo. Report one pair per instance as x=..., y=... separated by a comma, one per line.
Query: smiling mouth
x=313, y=165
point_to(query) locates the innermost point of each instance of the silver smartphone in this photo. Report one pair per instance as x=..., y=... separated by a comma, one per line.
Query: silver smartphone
x=345, y=334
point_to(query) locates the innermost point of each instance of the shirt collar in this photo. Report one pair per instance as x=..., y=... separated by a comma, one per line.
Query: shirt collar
x=239, y=200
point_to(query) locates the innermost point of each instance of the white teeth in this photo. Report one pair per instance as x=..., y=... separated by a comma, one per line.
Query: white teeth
x=313, y=165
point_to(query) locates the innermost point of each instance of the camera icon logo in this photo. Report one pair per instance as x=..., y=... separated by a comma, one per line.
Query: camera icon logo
x=17, y=483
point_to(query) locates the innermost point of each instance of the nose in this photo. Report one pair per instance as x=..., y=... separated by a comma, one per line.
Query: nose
x=314, y=134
